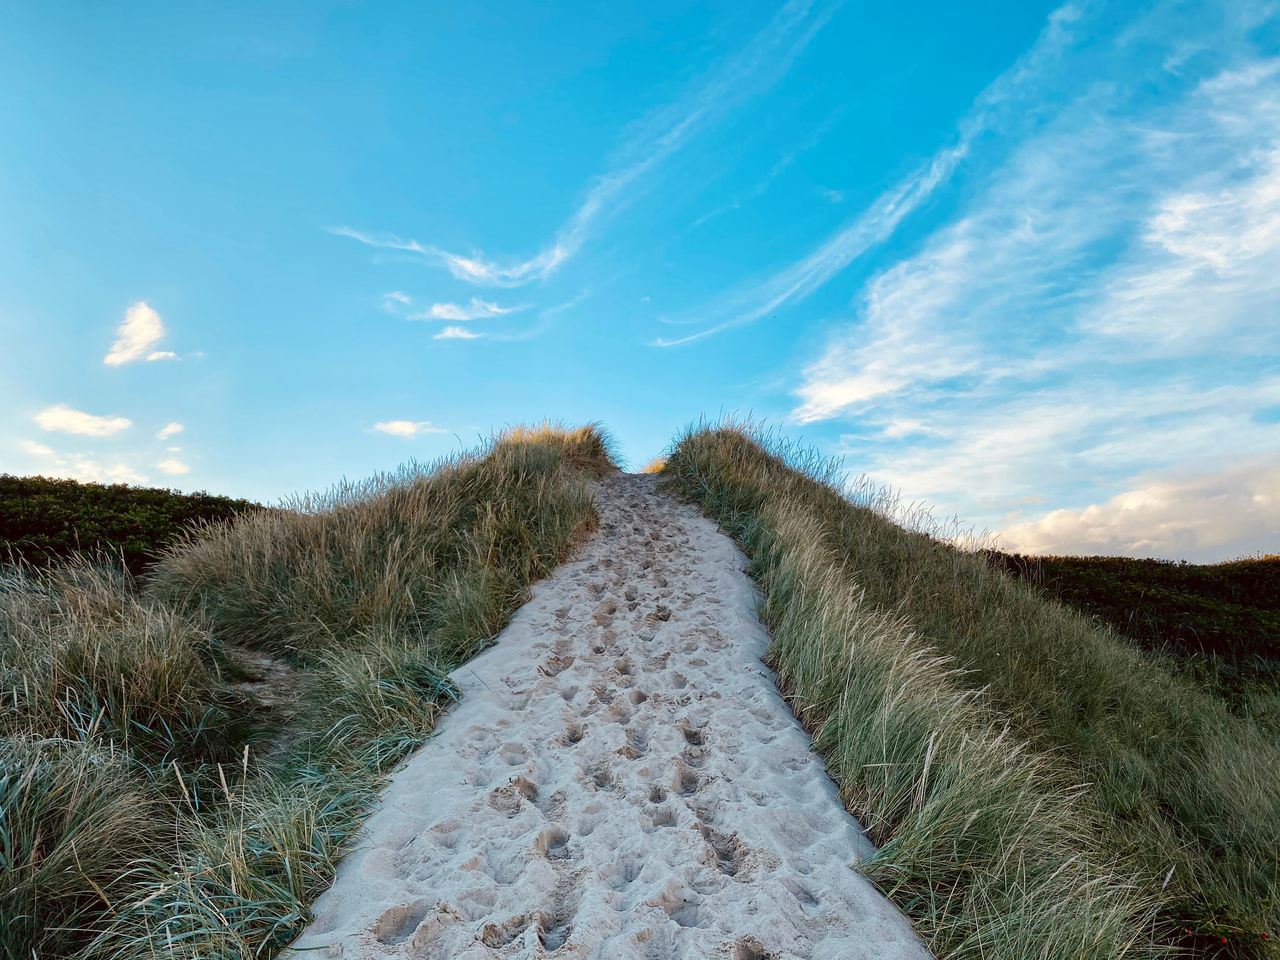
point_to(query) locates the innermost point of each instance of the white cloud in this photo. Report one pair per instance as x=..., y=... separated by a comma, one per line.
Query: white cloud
x=169, y=430
x=91, y=471
x=758, y=66
x=984, y=458
x=407, y=428
x=395, y=301
x=1210, y=265
x=1161, y=232
x=173, y=467
x=905, y=427
x=456, y=333
x=174, y=449
x=66, y=420
x=1207, y=517
x=83, y=466
x=879, y=221
x=546, y=319
x=140, y=330
x=988, y=452
x=830, y=195
x=476, y=309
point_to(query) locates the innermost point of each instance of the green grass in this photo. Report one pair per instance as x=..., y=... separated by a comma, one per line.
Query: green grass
x=958, y=707
x=73, y=816
x=1037, y=785
x=439, y=559
x=44, y=522
x=144, y=809
x=1227, y=609
x=83, y=656
x=1217, y=623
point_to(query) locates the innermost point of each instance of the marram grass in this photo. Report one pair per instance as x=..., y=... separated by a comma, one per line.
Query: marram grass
x=1036, y=787
x=142, y=814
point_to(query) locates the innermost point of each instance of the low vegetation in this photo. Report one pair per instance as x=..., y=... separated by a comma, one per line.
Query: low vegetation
x=44, y=522
x=1036, y=785
x=1056, y=757
x=1225, y=609
x=150, y=803
x=1218, y=623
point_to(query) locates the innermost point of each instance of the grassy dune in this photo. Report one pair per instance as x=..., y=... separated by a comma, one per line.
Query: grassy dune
x=183, y=755
x=149, y=805
x=1039, y=788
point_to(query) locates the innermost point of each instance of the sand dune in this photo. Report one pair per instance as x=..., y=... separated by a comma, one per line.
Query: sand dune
x=620, y=780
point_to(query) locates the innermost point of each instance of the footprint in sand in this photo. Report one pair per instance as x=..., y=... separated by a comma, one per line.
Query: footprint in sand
x=620, y=779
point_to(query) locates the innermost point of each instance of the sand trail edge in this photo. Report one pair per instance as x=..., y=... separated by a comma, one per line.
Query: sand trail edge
x=621, y=779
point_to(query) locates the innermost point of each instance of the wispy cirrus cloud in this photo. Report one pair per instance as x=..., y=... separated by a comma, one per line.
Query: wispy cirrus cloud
x=475, y=269
x=1096, y=324
x=759, y=65
x=64, y=419
x=457, y=333
x=789, y=156
x=407, y=428
x=136, y=336
x=879, y=221
x=545, y=320
x=476, y=309
x=1034, y=261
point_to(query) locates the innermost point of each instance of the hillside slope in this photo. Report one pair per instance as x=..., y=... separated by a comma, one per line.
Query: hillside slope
x=1172, y=794
x=144, y=811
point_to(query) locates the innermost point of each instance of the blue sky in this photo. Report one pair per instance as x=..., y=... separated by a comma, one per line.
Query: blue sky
x=1020, y=261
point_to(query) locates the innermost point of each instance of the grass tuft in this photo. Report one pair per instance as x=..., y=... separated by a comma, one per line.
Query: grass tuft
x=73, y=816
x=83, y=657
x=589, y=450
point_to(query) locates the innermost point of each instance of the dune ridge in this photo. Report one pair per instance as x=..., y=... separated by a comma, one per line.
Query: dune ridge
x=621, y=778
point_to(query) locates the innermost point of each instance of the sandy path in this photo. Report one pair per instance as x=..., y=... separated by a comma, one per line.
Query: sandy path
x=620, y=780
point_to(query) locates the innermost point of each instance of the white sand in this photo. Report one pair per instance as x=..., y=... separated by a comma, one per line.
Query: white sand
x=620, y=780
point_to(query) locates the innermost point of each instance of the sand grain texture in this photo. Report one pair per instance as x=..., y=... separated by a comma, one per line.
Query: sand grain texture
x=620, y=780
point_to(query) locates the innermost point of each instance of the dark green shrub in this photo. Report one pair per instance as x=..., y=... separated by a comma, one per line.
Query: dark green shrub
x=44, y=521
